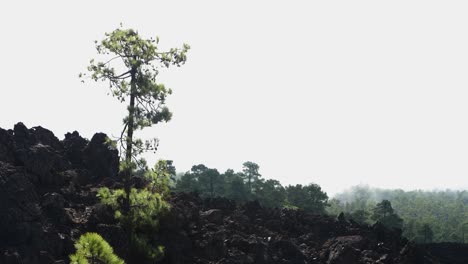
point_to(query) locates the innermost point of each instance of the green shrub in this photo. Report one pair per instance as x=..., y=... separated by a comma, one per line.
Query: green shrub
x=146, y=205
x=91, y=248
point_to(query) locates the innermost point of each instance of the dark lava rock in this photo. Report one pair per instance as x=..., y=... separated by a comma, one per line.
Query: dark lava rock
x=46, y=201
x=214, y=216
x=74, y=146
x=453, y=253
x=11, y=257
x=43, y=162
x=344, y=249
x=101, y=159
x=23, y=138
x=7, y=146
x=19, y=205
x=46, y=137
x=287, y=252
x=53, y=206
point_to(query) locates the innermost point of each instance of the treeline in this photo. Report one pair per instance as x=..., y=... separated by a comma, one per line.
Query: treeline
x=428, y=216
x=249, y=185
x=424, y=216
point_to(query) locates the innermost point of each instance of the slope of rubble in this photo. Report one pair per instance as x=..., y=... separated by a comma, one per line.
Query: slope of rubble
x=218, y=231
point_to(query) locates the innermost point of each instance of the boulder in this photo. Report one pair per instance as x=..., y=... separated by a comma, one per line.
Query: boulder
x=7, y=146
x=344, y=249
x=101, y=158
x=214, y=216
x=23, y=138
x=53, y=206
x=19, y=205
x=11, y=257
x=44, y=162
x=286, y=249
x=46, y=137
x=74, y=146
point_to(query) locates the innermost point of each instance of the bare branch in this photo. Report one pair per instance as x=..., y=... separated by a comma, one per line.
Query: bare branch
x=111, y=60
x=121, y=75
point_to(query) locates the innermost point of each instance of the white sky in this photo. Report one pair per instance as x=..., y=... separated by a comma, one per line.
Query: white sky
x=332, y=92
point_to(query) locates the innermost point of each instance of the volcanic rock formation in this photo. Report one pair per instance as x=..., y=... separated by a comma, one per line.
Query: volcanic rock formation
x=48, y=199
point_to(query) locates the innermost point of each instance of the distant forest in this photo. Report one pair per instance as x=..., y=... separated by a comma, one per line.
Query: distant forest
x=428, y=216
x=424, y=216
x=249, y=185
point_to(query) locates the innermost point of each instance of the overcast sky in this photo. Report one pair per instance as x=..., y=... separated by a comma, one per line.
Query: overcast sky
x=332, y=92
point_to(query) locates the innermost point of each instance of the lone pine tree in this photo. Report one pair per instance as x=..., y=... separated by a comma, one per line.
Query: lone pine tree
x=139, y=61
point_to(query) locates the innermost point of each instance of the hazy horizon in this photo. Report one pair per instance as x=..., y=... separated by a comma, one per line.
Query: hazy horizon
x=335, y=93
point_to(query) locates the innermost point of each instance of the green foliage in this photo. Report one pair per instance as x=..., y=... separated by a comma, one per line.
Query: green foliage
x=270, y=193
x=359, y=216
x=334, y=207
x=91, y=248
x=309, y=197
x=248, y=185
x=146, y=206
x=426, y=233
x=290, y=207
x=141, y=222
x=160, y=177
x=464, y=231
x=235, y=188
x=383, y=212
x=187, y=183
x=206, y=181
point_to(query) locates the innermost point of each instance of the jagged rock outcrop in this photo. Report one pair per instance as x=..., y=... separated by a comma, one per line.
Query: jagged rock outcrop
x=48, y=191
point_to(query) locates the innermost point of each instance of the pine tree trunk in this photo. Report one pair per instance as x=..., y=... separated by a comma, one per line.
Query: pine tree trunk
x=129, y=139
x=211, y=186
x=130, y=127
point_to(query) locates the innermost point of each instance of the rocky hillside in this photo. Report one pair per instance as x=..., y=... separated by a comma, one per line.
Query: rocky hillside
x=48, y=199
x=48, y=191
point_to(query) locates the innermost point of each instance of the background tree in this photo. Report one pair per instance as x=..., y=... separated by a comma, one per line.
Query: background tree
x=464, y=228
x=235, y=187
x=206, y=181
x=426, y=233
x=187, y=183
x=209, y=180
x=383, y=212
x=250, y=173
x=309, y=197
x=160, y=177
x=359, y=216
x=171, y=170
x=271, y=193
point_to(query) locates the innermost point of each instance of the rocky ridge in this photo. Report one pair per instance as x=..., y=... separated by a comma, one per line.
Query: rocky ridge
x=48, y=199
